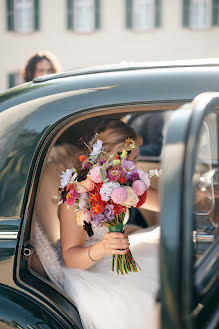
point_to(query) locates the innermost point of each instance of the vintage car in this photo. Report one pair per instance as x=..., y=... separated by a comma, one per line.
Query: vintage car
x=162, y=102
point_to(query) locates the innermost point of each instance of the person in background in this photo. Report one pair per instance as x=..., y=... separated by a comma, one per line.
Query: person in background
x=41, y=63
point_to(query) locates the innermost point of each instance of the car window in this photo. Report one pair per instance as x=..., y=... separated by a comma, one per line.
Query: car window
x=206, y=186
x=65, y=154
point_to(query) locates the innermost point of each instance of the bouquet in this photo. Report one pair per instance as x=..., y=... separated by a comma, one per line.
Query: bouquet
x=102, y=190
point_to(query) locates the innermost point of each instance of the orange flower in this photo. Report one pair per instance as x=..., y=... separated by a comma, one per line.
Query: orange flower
x=97, y=204
x=82, y=158
x=85, y=186
x=70, y=186
x=97, y=209
x=94, y=197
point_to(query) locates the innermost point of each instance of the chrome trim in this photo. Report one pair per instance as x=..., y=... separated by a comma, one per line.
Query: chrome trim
x=204, y=237
x=11, y=235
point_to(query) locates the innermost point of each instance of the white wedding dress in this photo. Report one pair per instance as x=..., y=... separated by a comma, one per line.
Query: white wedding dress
x=104, y=299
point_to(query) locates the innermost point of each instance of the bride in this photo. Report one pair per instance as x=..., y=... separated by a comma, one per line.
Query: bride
x=103, y=298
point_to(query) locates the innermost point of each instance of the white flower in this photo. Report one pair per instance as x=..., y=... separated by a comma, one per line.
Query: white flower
x=107, y=189
x=65, y=177
x=83, y=201
x=155, y=173
x=97, y=148
x=73, y=179
x=144, y=177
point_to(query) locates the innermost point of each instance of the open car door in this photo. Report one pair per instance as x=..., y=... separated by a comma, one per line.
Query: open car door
x=190, y=217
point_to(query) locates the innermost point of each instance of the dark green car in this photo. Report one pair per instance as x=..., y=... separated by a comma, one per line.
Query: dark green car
x=180, y=132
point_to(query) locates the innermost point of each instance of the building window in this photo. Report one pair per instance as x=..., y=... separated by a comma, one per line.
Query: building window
x=142, y=15
x=83, y=15
x=15, y=79
x=200, y=14
x=215, y=12
x=22, y=15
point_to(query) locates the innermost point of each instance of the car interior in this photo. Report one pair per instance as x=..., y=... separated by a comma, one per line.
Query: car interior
x=66, y=148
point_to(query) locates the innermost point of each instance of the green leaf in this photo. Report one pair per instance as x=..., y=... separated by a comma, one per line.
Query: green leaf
x=102, y=172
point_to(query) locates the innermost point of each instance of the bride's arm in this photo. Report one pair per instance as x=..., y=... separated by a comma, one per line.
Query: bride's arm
x=152, y=202
x=74, y=252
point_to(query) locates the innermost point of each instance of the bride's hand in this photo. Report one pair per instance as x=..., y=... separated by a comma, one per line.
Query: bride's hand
x=115, y=243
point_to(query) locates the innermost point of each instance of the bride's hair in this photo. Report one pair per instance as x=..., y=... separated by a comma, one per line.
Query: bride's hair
x=65, y=155
x=113, y=132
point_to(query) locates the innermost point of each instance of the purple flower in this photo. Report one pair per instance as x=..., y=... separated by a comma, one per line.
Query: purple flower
x=128, y=167
x=102, y=161
x=108, y=212
x=99, y=219
x=133, y=177
x=87, y=165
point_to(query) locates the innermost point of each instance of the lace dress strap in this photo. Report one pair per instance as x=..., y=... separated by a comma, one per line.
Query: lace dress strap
x=48, y=255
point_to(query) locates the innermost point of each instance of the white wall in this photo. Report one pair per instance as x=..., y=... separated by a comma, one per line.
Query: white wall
x=111, y=44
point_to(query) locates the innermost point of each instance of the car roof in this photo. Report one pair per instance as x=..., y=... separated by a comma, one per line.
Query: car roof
x=123, y=83
x=30, y=112
x=206, y=62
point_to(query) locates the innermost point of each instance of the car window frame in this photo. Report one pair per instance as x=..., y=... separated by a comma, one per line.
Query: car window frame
x=39, y=159
x=178, y=283
x=203, y=283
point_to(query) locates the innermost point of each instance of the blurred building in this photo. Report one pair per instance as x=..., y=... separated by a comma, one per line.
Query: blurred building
x=92, y=32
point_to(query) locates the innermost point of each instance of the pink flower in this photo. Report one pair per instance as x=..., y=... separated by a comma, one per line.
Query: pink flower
x=85, y=186
x=71, y=197
x=128, y=167
x=83, y=216
x=107, y=189
x=132, y=199
x=113, y=174
x=95, y=174
x=119, y=195
x=139, y=187
x=144, y=177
